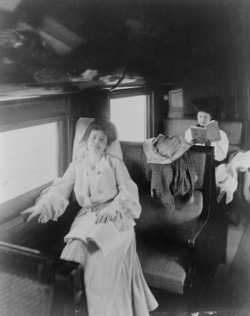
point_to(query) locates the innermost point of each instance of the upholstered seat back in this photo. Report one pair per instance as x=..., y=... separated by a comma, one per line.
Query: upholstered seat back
x=163, y=238
x=154, y=217
x=136, y=162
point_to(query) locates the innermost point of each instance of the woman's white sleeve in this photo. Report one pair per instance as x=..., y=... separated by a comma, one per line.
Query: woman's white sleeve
x=55, y=198
x=221, y=147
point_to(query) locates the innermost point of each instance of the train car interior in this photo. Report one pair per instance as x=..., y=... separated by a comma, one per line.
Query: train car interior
x=146, y=66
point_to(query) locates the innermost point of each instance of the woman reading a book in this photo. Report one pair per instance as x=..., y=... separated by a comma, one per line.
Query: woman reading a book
x=205, y=112
x=102, y=236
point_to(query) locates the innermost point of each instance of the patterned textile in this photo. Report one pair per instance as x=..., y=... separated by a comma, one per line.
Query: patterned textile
x=164, y=266
x=23, y=296
x=175, y=226
x=155, y=222
x=165, y=149
x=136, y=162
x=177, y=179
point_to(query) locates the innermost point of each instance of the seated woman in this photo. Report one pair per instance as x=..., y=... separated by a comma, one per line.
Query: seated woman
x=205, y=113
x=109, y=199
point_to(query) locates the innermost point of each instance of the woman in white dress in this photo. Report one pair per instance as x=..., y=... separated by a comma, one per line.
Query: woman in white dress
x=114, y=282
x=204, y=116
x=205, y=113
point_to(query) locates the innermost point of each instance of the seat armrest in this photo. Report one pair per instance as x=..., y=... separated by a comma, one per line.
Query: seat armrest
x=198, y=230
x=209, y=243
x=218, y=214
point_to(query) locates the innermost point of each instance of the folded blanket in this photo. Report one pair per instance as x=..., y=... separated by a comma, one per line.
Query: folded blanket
x=227, y=176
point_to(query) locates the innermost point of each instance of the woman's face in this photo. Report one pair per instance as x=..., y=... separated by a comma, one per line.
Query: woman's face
x=203, y=118
x=97, y=142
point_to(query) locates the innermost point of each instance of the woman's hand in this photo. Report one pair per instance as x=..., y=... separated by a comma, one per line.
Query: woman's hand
x=107, y=214
x=33, y=211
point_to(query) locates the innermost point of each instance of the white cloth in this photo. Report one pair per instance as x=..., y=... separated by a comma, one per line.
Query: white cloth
x=220, y=147
x=246, y=188
x=227, y=175
x=114, y=283
x=226, y=182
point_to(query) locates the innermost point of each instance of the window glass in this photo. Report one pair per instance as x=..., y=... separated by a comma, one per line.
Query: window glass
x=28, y=159
x=129, y=116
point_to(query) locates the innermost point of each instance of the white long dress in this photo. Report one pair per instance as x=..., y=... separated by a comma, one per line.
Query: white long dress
x=114, y=282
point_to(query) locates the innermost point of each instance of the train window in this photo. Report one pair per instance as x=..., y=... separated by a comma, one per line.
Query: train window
x=29, y=161
x=129, y=114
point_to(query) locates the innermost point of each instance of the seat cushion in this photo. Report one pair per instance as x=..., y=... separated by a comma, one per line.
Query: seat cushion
x=188, y=210
x=164, y=266
x=176, y=226
x=136, y=162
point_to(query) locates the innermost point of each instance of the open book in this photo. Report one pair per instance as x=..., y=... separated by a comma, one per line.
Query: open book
x=104, y=235
x=210, y=132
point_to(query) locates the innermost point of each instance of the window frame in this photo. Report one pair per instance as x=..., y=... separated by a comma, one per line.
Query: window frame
x=118, y=94
x=13, y=206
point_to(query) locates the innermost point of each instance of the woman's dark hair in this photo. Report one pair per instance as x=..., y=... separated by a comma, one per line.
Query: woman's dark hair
x=107, y=127
x=209, y=105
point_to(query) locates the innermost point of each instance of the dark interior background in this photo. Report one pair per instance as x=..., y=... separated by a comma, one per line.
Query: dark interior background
x=202, y=46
